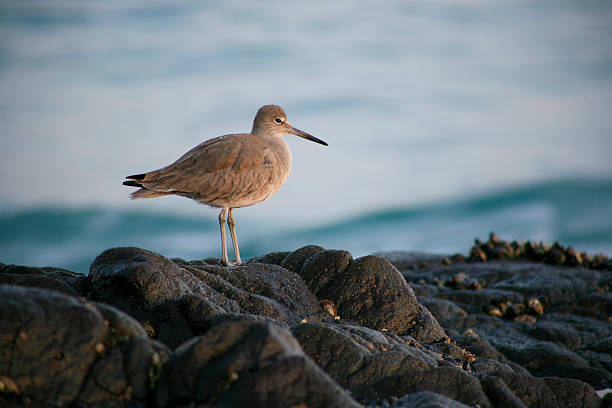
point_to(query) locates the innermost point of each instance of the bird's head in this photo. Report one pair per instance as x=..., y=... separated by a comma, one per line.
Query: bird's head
x=271, y=120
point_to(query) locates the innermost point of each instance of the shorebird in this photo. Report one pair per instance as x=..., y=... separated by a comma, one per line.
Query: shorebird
x=229, y=171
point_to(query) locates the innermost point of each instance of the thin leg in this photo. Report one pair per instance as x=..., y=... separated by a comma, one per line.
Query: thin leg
x=222, y=218
x=232, y=226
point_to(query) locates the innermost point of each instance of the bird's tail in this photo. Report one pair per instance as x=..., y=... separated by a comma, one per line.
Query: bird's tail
x=142, y=192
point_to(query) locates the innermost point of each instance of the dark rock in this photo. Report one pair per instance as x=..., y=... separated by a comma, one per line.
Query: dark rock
x=427, y=399
x=485, y=366
x=554, y=284
x=607, y=398
x=577, y=310
x=590, y=330
x=476, y=323
x=176, y=302
x=358, y=357
x=243, y=317
x=253, y=364
x=59, y=350
x=499, y=394
x=57, y=279
x=526, y=344
x=452, y=353
x=443, y=310
x=478, y=346
x=334, y=350
x=294, y=381
x=604, y=345
x=451, y=382
x=293, y=261
x=322, y=267
x=426, y=328
x=373, y=293
x=358, y=322
x=251, y=302
x=277, y=285
x=412, y=260
x=545, y=314
x=544, y=358
x=538, y=356
x=600, y=361
x=597, y=302
x=424, y=290
x=476, y=299
x=152, y=289
x=197, y=312
x=274, y=258
x=550, y=391
x=134, y=280
x=560, y=333
x=596, y=377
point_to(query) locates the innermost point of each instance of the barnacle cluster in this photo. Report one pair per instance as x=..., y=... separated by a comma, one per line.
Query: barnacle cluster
x=554, y=254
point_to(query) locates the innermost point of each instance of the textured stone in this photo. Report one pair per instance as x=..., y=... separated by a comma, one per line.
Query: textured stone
x=373, y=293
x=244, y=363
x=59, y=350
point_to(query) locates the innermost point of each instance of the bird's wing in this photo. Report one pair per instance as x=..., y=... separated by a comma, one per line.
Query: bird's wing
x=216, y=168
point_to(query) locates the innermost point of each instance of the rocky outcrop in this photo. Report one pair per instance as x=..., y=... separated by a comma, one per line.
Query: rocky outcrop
x=260, y=362
x=522, y=311
x=58, y=350
x=312, y=327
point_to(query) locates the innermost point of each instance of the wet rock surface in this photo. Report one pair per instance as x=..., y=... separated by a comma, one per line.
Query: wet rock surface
x=311, y=328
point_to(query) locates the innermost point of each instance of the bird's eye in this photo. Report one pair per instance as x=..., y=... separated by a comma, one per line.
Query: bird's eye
x=278, y=120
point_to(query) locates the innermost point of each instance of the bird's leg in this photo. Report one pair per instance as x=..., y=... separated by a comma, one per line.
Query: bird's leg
x=232, y=227
x=222, y=218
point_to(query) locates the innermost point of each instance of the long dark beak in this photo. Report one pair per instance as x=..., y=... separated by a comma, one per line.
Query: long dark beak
x=305, y=135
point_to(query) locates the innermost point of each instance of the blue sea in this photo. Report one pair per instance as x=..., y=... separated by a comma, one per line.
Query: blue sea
x=576, y=212
x=445, y=119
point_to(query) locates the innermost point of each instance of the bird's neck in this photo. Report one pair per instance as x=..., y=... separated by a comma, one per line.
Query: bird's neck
x=281, y=149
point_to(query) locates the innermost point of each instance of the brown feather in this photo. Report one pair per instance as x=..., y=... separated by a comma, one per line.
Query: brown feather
x=144, y=193
x=215, y=171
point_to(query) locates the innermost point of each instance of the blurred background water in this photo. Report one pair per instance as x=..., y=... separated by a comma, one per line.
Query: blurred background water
x=445, y=120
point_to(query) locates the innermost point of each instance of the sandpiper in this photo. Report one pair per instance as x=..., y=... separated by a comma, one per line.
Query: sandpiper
x=229, y=171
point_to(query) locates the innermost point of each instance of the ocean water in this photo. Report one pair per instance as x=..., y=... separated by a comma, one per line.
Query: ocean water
x=574, y=212
x=445, y=120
